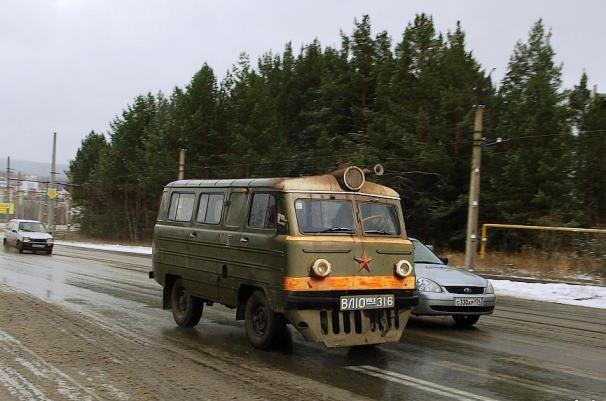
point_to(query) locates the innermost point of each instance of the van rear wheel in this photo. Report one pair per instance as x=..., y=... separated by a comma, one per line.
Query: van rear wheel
x=187, y=309
x=264, y=327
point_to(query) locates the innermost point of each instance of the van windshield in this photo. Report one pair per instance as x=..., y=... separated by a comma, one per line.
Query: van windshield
x=379, y=219
x=316, y=216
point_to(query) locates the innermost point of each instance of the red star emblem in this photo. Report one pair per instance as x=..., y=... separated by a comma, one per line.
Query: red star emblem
x=364, y=262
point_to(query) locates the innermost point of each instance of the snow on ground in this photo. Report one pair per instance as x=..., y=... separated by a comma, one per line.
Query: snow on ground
x=144, y=250
x=581, y=295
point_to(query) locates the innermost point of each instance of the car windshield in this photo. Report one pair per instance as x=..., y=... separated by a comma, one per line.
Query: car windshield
x=316, y=216
x=425, y=255
x=32, y=227
x=379, y=219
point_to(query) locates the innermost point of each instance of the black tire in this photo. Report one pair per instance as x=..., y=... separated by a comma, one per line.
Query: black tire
x=49, y=252
x=19, y=247
x=264, y=327
x=465, y=320
x=5, y=243
x=187, y=309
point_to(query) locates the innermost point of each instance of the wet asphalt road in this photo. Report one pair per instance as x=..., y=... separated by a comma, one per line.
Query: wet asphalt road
x=525, y=351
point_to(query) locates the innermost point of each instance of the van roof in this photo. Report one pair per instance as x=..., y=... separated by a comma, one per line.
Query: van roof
x=319, y=183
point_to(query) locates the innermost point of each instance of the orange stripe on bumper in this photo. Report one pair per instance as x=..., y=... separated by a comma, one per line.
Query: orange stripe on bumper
x=349, y=283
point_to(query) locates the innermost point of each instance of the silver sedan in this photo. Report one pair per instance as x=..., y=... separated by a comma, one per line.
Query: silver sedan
x=448, y=291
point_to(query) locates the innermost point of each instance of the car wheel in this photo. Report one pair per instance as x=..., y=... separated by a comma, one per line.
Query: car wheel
x=5, y=243
x=187, y=309
x=49, y=252
x=465, y=320
x=19, y=247
x=264, y=327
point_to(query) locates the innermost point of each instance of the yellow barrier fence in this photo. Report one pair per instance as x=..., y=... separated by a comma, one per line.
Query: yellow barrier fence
x=485, y=228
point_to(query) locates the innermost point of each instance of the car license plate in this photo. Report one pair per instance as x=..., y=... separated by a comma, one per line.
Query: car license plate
x=469, y=301
x=38, y=246
x=358, y=302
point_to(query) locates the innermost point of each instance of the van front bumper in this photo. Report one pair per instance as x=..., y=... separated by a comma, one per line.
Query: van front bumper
x=317, y=316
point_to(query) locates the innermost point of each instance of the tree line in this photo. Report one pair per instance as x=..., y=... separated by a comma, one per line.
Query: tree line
x=407, y=104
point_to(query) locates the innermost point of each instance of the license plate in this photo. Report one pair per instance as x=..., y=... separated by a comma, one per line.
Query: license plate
x=469, y=301
x=358, y=302
x=38, y=246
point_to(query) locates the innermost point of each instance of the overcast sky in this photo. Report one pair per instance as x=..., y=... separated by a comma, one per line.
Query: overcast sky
x=71, y=65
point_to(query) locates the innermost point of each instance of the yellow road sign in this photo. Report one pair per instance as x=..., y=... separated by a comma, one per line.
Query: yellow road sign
x=7, y=208
x=52, y=193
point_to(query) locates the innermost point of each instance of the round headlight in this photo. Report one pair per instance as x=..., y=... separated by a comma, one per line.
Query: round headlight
x=49, y=241
x=321, y=268
x=403, y=268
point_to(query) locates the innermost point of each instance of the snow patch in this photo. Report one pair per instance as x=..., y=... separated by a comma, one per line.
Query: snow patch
x=580, y=295
x=144, y=250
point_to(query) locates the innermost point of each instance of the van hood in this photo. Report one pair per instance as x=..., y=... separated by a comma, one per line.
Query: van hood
x=445, y=275
x=35, y=235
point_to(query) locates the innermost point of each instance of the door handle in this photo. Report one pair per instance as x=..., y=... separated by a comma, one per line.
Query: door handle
x=193, y=234
x=244, y=239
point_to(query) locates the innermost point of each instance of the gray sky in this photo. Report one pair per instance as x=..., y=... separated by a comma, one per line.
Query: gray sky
x=71, y=65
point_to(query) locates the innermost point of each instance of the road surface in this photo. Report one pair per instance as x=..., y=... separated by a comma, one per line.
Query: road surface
x=87, y=325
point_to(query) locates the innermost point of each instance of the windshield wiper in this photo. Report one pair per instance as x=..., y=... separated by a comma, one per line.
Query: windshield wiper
x=381, y=232
x=337, y=229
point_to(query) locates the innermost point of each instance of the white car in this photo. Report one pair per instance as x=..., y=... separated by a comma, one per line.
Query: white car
x=28, y=235
x=448, y=291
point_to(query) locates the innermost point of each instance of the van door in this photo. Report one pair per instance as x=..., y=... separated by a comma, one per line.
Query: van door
x=265, y=254
x=172, y=237
x=235, y=255
x=206, y=247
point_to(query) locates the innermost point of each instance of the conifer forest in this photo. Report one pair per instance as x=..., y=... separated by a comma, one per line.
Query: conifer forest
x=405, y=102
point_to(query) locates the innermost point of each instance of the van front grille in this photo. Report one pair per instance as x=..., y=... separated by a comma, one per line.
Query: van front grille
x=341, y=321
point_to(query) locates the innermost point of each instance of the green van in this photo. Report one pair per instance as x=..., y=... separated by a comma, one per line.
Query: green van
x=327, y=254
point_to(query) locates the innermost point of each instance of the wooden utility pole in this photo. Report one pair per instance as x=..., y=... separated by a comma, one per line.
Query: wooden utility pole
x=471, y=240
x=52, y=202
x=181, y=174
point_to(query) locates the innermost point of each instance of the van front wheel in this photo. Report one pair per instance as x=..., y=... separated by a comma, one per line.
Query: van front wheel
x=187, y=309
x=264, y=327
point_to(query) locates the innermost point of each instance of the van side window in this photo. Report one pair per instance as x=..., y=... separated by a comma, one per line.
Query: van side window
x=263, y=211
x=210, y=208
x=237, y=202
x=181, y=207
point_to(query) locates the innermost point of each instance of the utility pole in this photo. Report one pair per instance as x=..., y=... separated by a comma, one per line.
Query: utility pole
x=181, y=174
x=471, y=240
x=17, y=196
x=7, y=198
x=52, y=203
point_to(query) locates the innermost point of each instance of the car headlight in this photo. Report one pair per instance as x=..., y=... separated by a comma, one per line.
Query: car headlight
x=489, y=288
x=427, y=285
x=49, y=241
x=403, y=268
x=26, y=239
x=321, y=268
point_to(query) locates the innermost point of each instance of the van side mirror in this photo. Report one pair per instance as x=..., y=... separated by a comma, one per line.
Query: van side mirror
x=444, y=260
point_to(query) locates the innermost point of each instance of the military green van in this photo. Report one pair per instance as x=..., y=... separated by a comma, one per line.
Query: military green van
x=327, y=254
